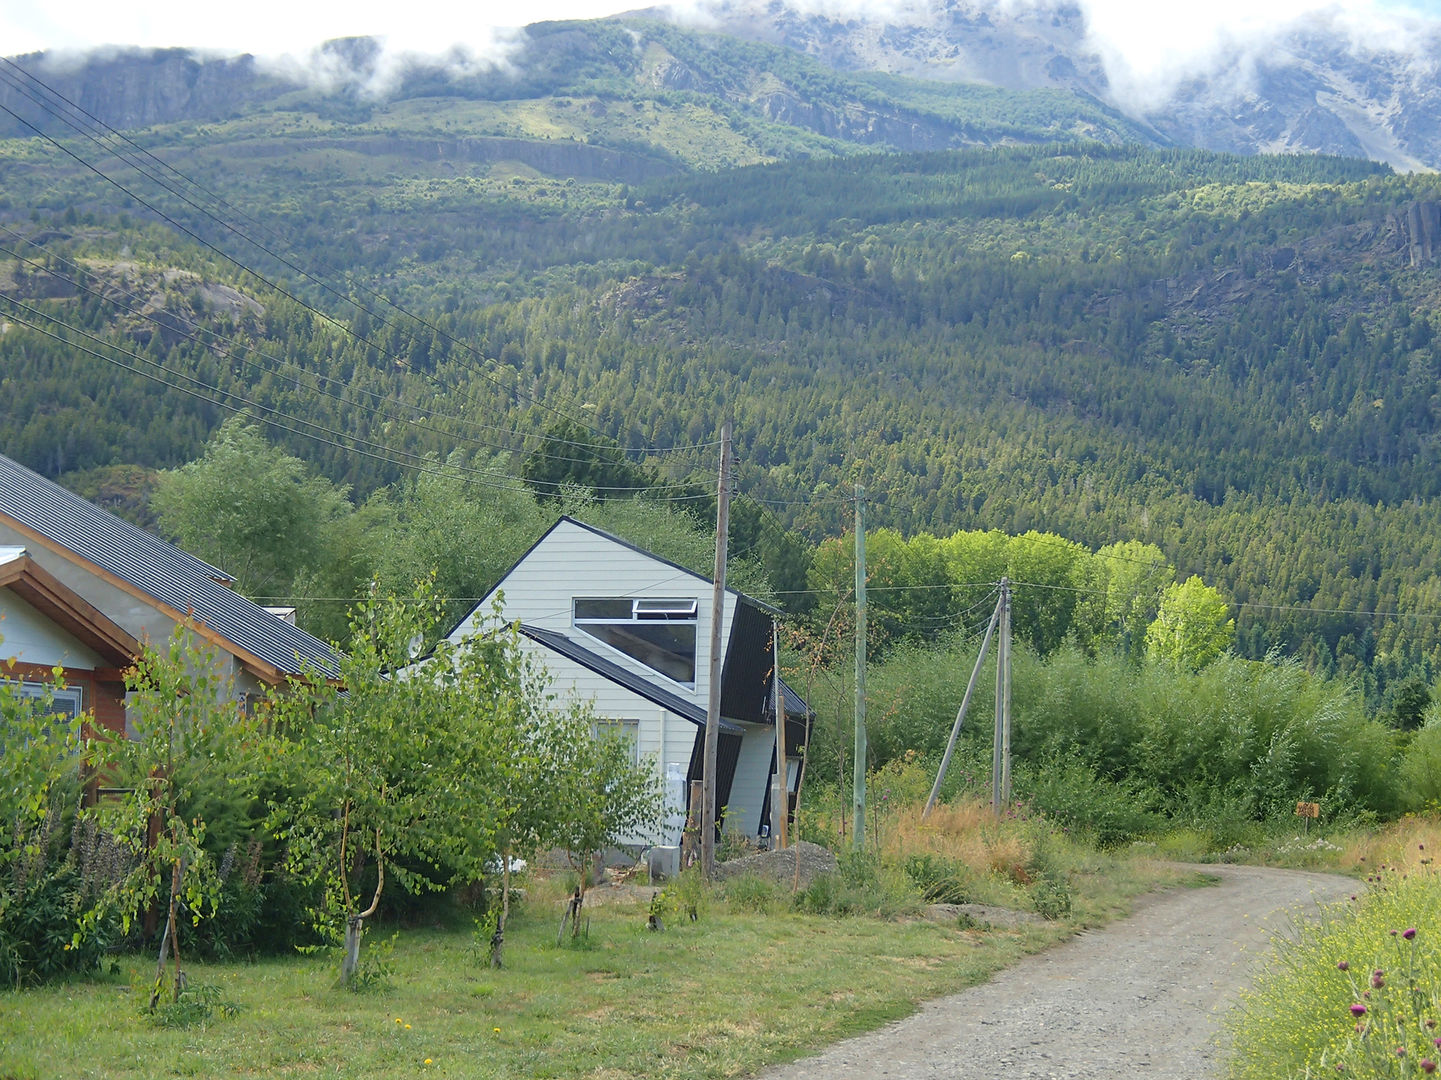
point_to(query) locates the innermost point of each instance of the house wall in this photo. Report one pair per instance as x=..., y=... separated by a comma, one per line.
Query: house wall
x=539, y=591
x=103, y=698
x=140, y=619
x=664, y=739
x=753, y=771
x=33, y=638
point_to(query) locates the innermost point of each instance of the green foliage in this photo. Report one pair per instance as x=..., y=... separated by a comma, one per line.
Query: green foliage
x=939, y=879
x=1192, y=627
x=1108, y=813
x=185, y=766
x=251, y=509
x=756, y=894
x=194, y=1005
x=861, y=885
x=1420, y=771
x=1357, y=993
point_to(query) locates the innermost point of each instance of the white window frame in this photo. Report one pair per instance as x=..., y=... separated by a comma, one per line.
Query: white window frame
x=644, y=610
x=619, y=727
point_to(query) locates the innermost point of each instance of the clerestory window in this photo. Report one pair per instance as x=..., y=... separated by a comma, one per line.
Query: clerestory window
x=660, y=633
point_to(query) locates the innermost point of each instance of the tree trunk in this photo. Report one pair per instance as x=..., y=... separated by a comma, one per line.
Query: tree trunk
x=350, y=962
x=497, y=940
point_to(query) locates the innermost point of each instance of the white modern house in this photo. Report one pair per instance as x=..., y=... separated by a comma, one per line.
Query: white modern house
x=629, y=631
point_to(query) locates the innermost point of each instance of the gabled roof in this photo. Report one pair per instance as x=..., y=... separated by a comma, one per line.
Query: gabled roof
x=608, y=669
x=186, y=588
x=566, y=519
x=64, y=607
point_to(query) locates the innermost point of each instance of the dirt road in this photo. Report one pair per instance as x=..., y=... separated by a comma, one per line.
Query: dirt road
x=1140, y=998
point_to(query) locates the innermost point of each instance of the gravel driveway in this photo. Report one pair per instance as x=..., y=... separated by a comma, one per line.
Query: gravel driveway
x=1142, y=997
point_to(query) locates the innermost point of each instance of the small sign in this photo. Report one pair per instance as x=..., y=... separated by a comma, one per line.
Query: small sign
x=1308, y=809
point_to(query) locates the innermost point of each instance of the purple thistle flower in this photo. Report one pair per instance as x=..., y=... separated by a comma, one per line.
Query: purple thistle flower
x=1377, y=981
x=1343, y=966
x=1409, y=933
x=1357, y=1009
x=1427, y=1065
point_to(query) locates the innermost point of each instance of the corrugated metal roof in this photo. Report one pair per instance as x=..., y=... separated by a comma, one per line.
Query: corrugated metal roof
x=159, y=570
x=608, y=669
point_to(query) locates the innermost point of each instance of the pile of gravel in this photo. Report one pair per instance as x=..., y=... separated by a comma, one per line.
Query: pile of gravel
x=780, y=866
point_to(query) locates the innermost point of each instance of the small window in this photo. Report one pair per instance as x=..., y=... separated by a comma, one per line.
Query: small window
x=627, y=731
x=67, y=702
x=658, y=632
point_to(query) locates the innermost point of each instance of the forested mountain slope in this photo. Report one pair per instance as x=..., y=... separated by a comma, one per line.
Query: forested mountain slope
x=1232, y=358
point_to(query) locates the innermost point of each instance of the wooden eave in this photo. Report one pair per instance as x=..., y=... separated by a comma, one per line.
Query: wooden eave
x=263, y=670
x=59, y=603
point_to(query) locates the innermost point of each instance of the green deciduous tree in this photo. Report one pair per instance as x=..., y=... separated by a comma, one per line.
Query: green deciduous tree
x=188, y=744
x=1192, y=627
x=251, y=509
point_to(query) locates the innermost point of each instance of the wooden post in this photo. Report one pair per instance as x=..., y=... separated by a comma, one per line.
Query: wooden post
x=858, y=772
x=712, y=715
x=780, y=800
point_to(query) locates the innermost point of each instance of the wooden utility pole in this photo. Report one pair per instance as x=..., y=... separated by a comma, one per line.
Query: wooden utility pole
x=712, y=713
x=780, y=797
x=858, y=773
x=961, y=713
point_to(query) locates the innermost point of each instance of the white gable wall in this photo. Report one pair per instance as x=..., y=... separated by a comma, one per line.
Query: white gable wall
x=31, y=638
x=664, y=739
x=572, y=561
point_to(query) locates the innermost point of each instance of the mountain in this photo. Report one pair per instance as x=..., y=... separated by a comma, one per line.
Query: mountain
x=1231, y=357
x=1317, y=85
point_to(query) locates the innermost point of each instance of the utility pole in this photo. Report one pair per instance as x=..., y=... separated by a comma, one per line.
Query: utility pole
x=858, y=782
x=961, y=713
x=1001, y=743
x=1006, y=696
x=780, y=798
x=712, y=713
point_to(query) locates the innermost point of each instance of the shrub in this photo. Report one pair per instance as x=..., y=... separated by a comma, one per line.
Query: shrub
x=1071, y=795
x=1356, y=994
x=939, y=879
x=756, y=894
x=861, y=885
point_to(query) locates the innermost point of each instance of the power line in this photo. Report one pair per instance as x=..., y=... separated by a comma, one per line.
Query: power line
x=283, y=260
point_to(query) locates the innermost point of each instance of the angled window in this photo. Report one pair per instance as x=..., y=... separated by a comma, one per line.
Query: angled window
x=659, y=633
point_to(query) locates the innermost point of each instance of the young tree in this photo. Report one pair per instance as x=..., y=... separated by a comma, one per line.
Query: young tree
x=189, y=734
x=366, y=756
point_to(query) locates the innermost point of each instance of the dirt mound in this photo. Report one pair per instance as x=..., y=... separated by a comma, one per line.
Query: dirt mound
x=813, y=860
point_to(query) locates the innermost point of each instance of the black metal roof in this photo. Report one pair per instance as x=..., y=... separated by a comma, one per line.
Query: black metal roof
x=608, y=669
x=159, y=570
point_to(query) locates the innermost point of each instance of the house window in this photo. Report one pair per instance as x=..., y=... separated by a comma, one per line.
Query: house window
x=67, y=702
x=627, y=731
x=659, y=633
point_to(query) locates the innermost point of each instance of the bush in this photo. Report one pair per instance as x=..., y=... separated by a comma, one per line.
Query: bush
x=759, y=895
x=940, y=880
x=1071, y=795
x=1356, y=994
x=860, y=886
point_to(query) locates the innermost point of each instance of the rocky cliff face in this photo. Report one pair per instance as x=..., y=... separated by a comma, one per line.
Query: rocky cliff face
x=131, y=89
x=1310, y=92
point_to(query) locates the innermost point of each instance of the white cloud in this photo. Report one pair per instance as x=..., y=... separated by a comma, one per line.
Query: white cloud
x=1149, y=46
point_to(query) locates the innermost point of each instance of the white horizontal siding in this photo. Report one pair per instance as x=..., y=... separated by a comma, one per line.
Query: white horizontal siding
x=571, y=561
x=665, y=740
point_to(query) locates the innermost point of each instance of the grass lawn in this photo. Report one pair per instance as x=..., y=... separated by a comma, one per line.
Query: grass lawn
x=716, y=998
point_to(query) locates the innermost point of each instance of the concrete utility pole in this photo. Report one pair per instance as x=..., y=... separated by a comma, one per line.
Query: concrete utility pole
x=961, y=713
x=1001, y=745
x=712, y=714
x=859, y=771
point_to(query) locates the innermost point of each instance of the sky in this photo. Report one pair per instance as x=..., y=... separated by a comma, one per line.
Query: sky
x=1140, y=40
